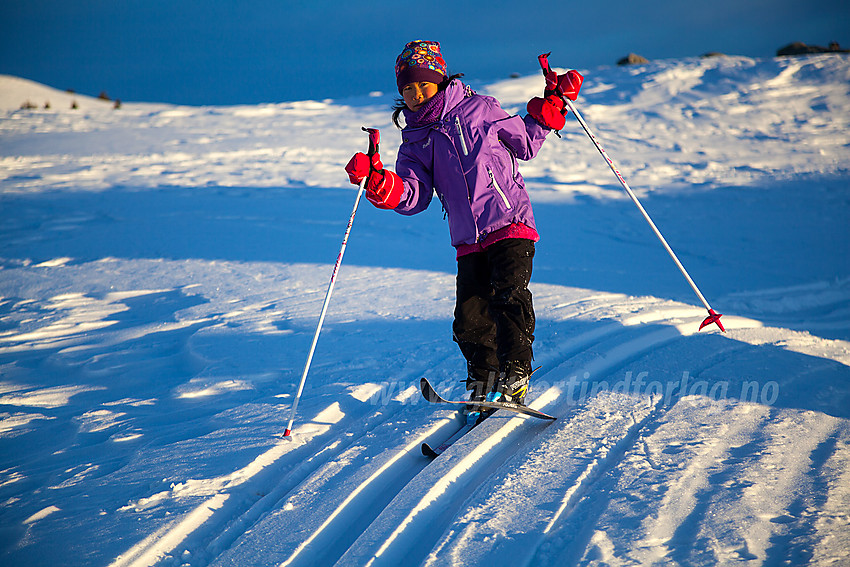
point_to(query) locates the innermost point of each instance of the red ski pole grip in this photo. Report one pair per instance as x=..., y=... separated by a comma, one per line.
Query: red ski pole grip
x=374, y=140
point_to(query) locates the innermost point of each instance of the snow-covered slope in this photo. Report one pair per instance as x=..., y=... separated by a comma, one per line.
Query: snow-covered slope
x=18, y=93
x=163, y=268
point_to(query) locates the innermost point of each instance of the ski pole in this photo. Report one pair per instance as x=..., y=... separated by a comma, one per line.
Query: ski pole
x=713, y=316
x=374, y=140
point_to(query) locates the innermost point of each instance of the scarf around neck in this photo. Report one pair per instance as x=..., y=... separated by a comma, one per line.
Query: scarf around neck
x=430, y=112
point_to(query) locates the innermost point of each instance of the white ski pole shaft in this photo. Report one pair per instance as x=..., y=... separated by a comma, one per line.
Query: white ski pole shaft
x=288, y=429
x=713, y=317
x=374, y=140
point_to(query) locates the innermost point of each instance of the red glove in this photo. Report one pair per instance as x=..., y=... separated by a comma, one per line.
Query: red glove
x=569, y=84
x=549, y=111
x=359, y=167
x=384, y=188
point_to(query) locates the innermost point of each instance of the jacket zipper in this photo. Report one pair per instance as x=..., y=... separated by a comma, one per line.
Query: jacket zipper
x=513, y=158
x=462, y=139
x=498, y=189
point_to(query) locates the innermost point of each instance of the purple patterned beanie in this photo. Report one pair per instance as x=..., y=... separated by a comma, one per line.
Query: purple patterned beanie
x=420, y=61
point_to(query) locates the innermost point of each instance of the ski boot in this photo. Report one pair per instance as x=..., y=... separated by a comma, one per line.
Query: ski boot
x=513, y=383
x=479, y=381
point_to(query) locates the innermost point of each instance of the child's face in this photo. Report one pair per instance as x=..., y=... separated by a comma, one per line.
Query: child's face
x=417, y=94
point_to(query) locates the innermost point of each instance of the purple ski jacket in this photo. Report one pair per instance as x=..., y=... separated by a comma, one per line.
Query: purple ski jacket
x=469, y=157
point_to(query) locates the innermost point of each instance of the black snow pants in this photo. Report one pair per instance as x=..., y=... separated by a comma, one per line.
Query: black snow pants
x=494, y=315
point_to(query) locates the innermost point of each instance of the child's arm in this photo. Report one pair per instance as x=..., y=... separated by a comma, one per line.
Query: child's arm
x=523, y=136
x=418, y=184
x=544, y=115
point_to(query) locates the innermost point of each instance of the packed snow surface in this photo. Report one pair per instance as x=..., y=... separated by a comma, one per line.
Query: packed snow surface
x=162, y=270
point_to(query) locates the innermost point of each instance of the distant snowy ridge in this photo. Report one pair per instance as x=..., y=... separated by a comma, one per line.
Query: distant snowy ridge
x=709, y=121
x=15, y=93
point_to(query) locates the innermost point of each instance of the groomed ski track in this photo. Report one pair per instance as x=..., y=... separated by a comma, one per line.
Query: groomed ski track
x=496, y=497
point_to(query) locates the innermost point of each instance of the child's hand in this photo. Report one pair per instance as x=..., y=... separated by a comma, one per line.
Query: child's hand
x=551, y=111
x=566, y=85
x=383, y=188
x=360, y=166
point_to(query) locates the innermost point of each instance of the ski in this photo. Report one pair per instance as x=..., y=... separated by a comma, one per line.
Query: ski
x=432, y=396
x=435, y=452
x=473, y=418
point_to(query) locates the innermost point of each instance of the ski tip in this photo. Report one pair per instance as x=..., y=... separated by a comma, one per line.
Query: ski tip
x=428, y=451
x=428, y=391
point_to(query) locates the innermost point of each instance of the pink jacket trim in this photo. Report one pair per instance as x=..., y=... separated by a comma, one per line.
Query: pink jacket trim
x=515, y=230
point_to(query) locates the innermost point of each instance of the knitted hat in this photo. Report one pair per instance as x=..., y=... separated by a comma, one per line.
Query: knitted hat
x=420, y=61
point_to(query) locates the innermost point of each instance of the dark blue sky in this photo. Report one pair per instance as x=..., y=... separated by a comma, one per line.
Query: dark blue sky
x=230, y=52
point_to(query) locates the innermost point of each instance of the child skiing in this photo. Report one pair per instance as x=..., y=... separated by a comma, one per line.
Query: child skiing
x=465, y=147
